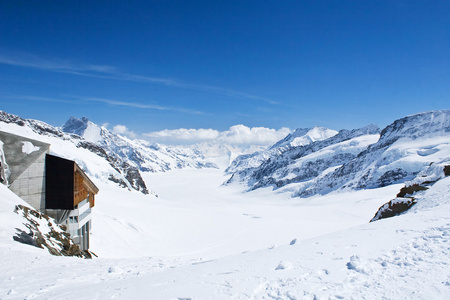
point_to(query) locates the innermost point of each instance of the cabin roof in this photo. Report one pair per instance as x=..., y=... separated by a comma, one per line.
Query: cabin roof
x=20, y=152
x=89, y=182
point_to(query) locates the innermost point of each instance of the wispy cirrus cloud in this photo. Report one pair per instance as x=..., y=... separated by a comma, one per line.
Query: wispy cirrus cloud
x=140, y=105
x=57, y=65
x=77, y=99
x=36, y=98
x=112, y=73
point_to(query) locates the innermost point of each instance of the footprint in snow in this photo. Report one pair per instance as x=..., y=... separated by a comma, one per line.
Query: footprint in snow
x=323, y=272
x=284, y=265
x=114, y=270
x=252, y=216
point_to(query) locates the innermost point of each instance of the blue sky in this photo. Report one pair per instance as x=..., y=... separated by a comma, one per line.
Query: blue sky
x=155, y=65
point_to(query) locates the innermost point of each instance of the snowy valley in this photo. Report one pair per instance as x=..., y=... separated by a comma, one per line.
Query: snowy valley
x=222, y=222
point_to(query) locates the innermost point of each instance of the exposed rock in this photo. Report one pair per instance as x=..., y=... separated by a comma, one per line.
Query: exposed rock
x=447, y=170
x=44, y=232
x=391, y=177
x=119, y=181
x=410, y=190
x=130, y=173
x=8, y=118
x=393, y=208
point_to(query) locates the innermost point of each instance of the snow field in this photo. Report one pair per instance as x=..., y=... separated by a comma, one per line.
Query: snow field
x=405, y=257
x=196, y=217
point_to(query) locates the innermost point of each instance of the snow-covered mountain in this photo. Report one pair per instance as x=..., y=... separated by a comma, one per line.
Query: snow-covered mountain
x=289, y=162
x=303, y=137
x=300, y=137
x=407, y=147
x=146, y=156
x=154, y=157
x=361, y=158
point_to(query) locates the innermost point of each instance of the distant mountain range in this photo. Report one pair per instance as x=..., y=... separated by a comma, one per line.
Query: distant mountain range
x=307, y=162
x=131, y=157
x=412, y=148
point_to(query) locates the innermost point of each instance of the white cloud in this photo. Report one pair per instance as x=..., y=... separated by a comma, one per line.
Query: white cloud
x=236, y=135
x=123, y=130
x=240, y=134
x=184, y=136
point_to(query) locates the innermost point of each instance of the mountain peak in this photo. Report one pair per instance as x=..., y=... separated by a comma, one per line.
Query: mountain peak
x=305, y=136
x=84, y=128
x=431, y=123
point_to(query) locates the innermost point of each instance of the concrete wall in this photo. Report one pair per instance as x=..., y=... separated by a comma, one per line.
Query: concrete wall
x=30, y=185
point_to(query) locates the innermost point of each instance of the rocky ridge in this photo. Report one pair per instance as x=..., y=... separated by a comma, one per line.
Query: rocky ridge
x=300, y=137
x=405, y=148
x=303, y=162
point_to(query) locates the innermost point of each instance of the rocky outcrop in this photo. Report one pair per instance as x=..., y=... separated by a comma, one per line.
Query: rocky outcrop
x=447, y=170
x=405, y=198
x=44, y=232
x=411, y=190
x=131, y=173
x=394, y=208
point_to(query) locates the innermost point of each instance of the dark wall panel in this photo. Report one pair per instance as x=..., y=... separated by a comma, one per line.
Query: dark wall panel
x=59, y=183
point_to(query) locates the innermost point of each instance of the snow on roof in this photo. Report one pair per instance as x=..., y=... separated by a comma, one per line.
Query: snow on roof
x=20, y=152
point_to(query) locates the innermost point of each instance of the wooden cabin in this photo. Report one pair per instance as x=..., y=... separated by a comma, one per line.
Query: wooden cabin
x=53, y=185
x=70, y=195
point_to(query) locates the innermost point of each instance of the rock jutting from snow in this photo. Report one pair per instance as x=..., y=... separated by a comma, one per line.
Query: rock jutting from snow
x=44, y=232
